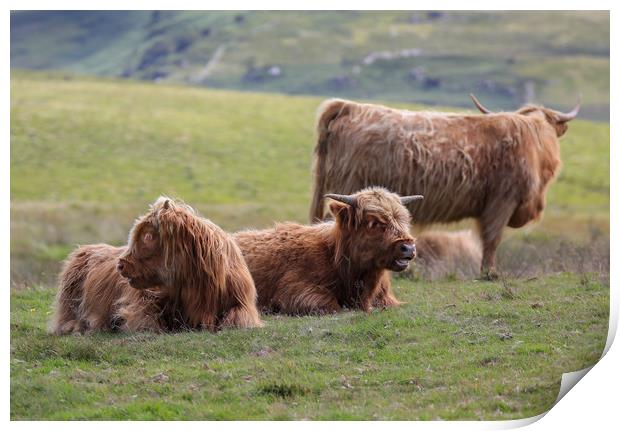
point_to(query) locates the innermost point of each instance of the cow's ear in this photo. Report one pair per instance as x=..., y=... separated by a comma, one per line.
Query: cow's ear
x=342, y=212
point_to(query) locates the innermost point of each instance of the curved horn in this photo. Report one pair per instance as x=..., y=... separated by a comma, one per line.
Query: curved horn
x=406, y=200
x=346, y=199
x=479, y=105
x=563, y=118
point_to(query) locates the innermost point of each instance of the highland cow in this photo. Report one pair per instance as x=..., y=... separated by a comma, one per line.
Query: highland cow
x=210, y=282
x=94, y=296
x=300, y=269
x=494, y=168
x=443, y=254
x=178, y=271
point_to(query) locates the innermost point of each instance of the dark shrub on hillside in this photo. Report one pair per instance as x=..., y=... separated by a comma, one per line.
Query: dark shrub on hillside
x=183, y=42
x=152, y=55
x=430, y=83
x=434, y=14
x=155, y=75
x=261, y=74
x=341, y=83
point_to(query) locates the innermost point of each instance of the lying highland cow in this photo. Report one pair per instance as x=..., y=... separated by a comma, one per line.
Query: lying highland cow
x=495, y=167
x=178, y=271
x=343, y=263
x=94, y=296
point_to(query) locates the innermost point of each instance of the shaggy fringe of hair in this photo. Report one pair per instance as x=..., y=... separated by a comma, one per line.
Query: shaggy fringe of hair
x=206, y=270
x=207, y=283
x=93, y=296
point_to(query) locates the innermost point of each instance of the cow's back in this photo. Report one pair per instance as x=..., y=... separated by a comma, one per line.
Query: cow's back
x=451, y=159
x=285, y=255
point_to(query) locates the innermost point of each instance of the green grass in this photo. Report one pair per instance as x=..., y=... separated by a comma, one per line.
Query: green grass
x=78, y=139
x=499, y=55
x=456, y=350
x=209, y=146
x=88, y=155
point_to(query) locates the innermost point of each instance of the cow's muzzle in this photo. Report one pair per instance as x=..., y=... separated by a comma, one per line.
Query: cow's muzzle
x=406, y=252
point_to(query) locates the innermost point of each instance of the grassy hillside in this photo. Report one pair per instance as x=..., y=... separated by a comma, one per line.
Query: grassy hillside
x=425, y=57
x=88, y=156
x=456, y=350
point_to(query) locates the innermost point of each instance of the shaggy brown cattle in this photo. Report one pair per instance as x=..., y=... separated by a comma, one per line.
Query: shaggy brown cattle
x=495, y=167
x=343, y=263
x=94, y=296
x=178, y=270
x=210, y=282
x=442, y=254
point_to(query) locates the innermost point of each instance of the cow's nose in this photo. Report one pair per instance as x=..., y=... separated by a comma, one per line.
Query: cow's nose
x=407, y=249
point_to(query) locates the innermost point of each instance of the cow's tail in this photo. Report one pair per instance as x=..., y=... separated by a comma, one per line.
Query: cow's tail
x=327, y=112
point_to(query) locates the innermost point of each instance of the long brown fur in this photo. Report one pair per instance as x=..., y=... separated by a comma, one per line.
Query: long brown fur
x=442, y=254
x=94, y=296
x=301, y=269
x=495, y=168
x=210, y=284
x=187, y=273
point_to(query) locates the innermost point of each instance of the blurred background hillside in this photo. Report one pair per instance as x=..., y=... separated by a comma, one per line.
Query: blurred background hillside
x=427, y=57
x=117, y=108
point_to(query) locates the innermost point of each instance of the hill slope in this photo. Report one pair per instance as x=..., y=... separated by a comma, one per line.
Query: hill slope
x=423, y=57
x=129, y=141
x=87, y=156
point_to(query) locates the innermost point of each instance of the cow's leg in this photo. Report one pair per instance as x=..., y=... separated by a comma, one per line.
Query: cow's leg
x=241, y=316
x=208, y=322
x=385, y=296
x=301, y=298
x=490, y=241
x=492, y=223
x=136, y=317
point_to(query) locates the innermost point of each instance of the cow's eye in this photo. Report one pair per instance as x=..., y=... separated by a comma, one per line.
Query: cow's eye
x=377, y=225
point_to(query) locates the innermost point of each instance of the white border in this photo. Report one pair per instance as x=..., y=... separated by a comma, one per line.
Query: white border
x=594, y=400
x=311, y=5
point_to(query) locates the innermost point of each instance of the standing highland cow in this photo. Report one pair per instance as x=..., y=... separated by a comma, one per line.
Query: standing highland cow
x=343, y=263
x=178, y=270
x=495, y=168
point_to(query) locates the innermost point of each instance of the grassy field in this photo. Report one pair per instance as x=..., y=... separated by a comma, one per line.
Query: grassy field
x=88, y=155
x=456, y=350
x=425, y=56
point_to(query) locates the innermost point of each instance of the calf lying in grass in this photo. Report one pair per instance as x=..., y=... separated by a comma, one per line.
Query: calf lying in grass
x=178, y=270
x=343, y=263
x=93, y=295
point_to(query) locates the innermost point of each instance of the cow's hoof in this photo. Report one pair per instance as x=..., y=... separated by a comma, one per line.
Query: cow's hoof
x=117, y=323
x=490, y=275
